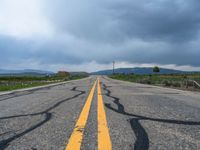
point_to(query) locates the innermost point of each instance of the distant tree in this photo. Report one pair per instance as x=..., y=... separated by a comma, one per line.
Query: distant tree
x=156, y=69
x=63, y=74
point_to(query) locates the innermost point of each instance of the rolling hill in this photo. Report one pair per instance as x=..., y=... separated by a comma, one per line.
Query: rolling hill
x=137, y=70
x=4, y=72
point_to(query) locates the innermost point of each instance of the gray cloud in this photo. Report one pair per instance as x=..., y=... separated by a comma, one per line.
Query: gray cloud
x=139, y=31
x=112, y=20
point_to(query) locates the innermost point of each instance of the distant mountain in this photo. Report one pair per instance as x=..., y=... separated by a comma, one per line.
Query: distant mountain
x=79, y=73
x=137, y=70
x=25, y=72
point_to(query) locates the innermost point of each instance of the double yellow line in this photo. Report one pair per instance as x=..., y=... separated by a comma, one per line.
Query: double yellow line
x=104, y=141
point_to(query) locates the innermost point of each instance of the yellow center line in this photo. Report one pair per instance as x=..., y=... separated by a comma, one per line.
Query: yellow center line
x=104, y=141
x=75, y=140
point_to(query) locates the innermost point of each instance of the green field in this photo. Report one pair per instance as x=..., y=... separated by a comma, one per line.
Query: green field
x=8, y=83
x=171, y=80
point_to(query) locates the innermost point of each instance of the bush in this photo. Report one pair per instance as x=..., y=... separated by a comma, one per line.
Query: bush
x=188, y=83
x=145, y=81
x=156, y=69
x=167, y=83
x=176, y=84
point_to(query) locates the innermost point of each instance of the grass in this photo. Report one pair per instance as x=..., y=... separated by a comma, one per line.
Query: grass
x=171, y=80
x=7, y=86
x=8, y=83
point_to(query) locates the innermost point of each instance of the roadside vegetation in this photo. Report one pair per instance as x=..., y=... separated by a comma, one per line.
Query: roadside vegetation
x=8, y=83
x=180, y=81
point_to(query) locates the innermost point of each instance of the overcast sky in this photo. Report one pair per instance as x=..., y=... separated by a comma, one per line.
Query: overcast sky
x=87, y=35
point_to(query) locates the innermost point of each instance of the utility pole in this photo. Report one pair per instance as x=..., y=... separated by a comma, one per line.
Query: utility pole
x=113, y=67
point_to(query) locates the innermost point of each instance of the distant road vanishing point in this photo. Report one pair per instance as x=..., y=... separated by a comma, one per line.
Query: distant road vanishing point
x=100, y=113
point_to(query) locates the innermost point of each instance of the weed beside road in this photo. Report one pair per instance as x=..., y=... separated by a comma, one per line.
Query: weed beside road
x=180, y=81
x=8, y=83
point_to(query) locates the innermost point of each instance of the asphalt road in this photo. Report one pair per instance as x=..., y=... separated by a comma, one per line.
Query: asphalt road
x=99, y=115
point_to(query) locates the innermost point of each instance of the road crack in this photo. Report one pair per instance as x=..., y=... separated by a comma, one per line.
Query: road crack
x=142, y=139
x=47, y=116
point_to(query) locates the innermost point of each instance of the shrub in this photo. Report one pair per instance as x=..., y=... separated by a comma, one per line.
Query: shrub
x=145, y=81
x=156, y=69
x=188, y=83
x=63, y=74
x=176, y=84
x=167, y=83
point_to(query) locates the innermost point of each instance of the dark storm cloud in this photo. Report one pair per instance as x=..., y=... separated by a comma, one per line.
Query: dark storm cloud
x=112, y=20
x=159, y=20
x=174, y=23
x=11, y=50
x=15, y=51
x=135, y=31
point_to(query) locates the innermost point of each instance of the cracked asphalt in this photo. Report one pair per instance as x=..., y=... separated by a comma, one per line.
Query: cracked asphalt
x=139, y=117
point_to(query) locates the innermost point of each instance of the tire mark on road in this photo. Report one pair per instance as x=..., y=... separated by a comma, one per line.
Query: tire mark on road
x=46, y=113
x=142, y=141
